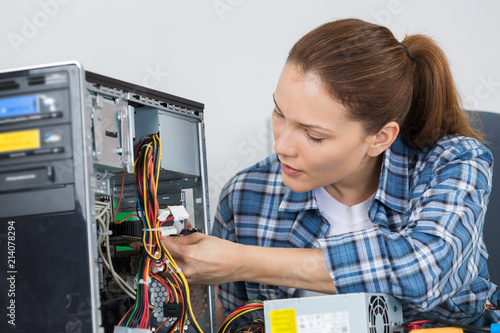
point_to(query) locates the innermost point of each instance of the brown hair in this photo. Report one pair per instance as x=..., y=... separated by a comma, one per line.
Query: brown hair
x=379, y=79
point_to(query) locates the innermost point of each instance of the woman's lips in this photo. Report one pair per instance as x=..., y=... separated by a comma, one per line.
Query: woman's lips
x=289, y=170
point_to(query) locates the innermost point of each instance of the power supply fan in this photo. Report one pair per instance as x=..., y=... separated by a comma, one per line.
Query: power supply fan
x=377, y=314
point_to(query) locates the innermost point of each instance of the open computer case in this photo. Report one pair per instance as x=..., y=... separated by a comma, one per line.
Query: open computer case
x=72, y=149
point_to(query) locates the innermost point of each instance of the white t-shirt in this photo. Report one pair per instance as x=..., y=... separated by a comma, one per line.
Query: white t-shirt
x=342, y=219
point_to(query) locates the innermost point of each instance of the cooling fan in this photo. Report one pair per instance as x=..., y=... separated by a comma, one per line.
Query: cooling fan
x=378, y=317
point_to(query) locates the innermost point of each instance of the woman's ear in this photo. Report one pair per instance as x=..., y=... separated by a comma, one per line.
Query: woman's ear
x=384, y=138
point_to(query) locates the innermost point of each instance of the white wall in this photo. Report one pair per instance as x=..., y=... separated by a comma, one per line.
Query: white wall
x=228, y=54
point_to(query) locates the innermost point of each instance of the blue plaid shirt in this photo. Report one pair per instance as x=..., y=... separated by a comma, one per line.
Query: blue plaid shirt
x=426, y=247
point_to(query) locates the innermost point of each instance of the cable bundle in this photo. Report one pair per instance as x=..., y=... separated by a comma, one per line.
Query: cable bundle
x=155, y=256
x=238, y=313
x=490, y=305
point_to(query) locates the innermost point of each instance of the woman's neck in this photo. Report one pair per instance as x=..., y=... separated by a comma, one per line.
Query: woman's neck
x=360, y=187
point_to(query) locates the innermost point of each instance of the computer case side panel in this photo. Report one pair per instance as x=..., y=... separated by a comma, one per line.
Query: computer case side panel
x=46, y=240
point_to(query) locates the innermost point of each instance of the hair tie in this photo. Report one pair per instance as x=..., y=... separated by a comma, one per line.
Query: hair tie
x=405, y=48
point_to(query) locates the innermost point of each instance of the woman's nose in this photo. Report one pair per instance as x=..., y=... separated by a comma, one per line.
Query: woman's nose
x=284, y=142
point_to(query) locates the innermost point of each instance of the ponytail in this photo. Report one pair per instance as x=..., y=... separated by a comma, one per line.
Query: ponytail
x=436, y=105
x=380, y=80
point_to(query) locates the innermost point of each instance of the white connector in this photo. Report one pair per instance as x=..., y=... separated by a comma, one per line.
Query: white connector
x=167, y=231
x=164, y=213
x=179, y=212
x=155, y=269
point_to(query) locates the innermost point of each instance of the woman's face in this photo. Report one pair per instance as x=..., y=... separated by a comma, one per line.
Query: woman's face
x=317, y=144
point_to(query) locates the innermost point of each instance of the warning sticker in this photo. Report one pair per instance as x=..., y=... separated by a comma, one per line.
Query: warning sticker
x=283, y=321
x=334, y=322
x=22, y=140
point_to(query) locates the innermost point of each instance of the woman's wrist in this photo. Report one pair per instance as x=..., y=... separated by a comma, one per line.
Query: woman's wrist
x=240, y=262
x=259, y=264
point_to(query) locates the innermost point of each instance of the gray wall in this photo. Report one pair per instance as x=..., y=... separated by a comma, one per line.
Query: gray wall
x=228, y=54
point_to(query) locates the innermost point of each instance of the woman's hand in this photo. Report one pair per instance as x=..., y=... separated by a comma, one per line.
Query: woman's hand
x=205, y=259
x=210, y=260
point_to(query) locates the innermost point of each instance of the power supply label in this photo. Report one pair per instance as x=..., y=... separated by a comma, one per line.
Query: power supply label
x=283, y=321
x=17, y=141
x=331, y=322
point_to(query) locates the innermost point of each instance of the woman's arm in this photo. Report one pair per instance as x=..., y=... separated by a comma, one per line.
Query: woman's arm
x=427, y=249
x=211, y=260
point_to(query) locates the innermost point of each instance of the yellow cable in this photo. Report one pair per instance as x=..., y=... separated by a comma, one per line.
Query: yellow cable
x=159, y=158
x=152, y=236
x=226, y=325
x=185, y=284
x=156, y=140
x=189, y=302
x=156, y=234
x=174, y=290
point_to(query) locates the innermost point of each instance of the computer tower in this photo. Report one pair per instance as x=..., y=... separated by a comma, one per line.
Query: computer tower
x=69, y=140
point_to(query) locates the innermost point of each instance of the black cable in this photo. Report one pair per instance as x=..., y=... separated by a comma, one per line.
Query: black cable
x=246, y=326
x=156, y=156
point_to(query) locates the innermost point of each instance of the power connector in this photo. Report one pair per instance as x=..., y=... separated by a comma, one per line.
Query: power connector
x=172, y=310
x=178, y=212
x=167, y=231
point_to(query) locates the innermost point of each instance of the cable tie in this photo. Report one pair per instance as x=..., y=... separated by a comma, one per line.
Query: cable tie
x=141, y=281
x=109, y=232
x=178, y=270
x=153, y=229
x=164, y=213
x=156, y=269
x=151, y=245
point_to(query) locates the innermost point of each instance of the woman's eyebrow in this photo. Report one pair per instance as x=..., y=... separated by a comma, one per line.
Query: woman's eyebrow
x=311, y=126
x=276, y=104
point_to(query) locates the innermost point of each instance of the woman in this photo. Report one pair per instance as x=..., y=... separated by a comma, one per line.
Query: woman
x=378, y=184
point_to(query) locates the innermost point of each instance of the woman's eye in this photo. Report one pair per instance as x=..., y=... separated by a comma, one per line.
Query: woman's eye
x=313, y=139
x=277, y=113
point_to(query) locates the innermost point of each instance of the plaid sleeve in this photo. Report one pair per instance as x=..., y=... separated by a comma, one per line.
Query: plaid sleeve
x=232, y=295
x=439, y=249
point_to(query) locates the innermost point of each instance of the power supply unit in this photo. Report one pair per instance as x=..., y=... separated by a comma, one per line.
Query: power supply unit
x=343, y=313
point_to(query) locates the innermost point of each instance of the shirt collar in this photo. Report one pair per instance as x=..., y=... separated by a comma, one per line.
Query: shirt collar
x=295, y=201
x=308, y=225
